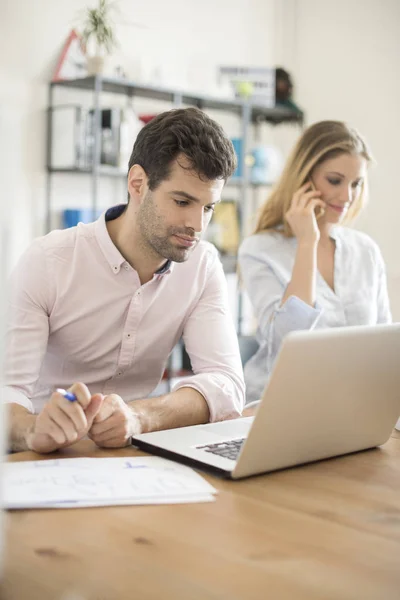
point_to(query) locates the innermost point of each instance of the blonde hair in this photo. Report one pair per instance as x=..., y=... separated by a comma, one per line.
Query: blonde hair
x=319, y=142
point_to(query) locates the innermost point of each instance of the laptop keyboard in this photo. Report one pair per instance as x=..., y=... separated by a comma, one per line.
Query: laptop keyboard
x=229, y=449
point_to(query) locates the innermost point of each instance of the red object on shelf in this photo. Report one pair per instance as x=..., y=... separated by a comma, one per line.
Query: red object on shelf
x=72, y=61
x=146, y=118
x=172, y=374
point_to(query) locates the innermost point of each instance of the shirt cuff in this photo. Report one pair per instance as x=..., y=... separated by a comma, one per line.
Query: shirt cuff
x=297, y=314
x=294, y=315
x=223, y=399
x=10, y=395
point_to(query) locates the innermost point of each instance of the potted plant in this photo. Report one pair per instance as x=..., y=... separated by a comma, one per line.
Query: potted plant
x=98, y=35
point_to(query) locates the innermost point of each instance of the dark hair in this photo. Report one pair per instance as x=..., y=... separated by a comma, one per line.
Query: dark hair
x=187, y=131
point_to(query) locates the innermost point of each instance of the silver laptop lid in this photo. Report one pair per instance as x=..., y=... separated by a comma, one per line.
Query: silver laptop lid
x=331, y=392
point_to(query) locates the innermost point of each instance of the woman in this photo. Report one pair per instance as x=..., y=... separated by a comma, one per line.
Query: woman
x=303, y=269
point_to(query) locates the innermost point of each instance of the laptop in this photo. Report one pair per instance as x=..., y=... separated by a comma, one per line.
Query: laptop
x=331, y=392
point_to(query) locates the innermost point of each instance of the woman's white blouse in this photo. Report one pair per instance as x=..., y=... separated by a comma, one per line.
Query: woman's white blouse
x=360, y=298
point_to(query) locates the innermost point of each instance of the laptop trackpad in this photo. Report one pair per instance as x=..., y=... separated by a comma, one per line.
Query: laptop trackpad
x=225, y=430
x=188, y=437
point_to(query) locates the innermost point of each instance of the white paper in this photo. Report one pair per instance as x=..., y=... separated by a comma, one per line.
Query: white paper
x=82, y=482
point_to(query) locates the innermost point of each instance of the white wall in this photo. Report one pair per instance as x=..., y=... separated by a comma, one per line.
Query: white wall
x=344, y=55
x=180, y=41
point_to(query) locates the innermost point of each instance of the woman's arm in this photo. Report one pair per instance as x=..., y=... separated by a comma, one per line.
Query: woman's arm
x=302, y=220
x=304, y=275
x=266, y=278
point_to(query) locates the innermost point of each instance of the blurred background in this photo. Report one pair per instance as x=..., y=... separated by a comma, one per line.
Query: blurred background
x=72, y=100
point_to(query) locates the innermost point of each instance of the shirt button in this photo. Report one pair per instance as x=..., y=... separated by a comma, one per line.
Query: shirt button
x=115, y=268
x=126, y=267
x=119, y=373
x=128, y=335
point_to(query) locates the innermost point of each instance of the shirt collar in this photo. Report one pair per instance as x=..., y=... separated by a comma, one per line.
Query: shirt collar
x=334, y=233
x=110, y=251
x=166, y=268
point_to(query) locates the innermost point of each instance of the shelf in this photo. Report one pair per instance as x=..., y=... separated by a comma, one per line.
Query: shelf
x=109, y=171
x=259, y=113
x=105, y=170
x=239, y=182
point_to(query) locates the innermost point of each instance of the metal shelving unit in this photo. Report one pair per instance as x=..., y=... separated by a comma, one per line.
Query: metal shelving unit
x=248, y=113
x=128, y=88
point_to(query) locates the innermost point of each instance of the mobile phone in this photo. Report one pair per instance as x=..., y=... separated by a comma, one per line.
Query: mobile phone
x=319, y=210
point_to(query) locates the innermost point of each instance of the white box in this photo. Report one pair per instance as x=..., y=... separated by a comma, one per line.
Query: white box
x=67, y=142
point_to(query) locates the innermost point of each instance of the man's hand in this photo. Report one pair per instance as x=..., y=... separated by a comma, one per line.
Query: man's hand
x=114, y=424
x=61, y=422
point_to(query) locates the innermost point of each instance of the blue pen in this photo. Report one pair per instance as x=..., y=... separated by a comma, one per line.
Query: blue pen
x=67, y=395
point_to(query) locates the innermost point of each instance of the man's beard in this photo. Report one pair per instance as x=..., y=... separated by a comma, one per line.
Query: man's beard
x=157, y=237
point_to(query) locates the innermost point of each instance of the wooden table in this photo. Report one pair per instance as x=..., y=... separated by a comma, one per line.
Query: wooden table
x=327, y=530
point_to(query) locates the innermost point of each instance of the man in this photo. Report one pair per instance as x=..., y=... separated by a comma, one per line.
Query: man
x=105, y=303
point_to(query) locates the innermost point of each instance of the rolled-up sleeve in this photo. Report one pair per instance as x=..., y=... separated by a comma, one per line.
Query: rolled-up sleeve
x=211, y=342
x=294, y=315
x=27, y=327
x=265, y=290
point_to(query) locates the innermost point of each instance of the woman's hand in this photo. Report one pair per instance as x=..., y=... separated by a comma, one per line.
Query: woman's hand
x=301, y=215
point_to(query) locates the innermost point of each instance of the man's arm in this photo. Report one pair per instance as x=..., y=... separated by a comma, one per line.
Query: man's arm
x=185, y=406
x=211, y=342
x=20, y=424
x=59, y=424
x=29, y=305
x=117, y=421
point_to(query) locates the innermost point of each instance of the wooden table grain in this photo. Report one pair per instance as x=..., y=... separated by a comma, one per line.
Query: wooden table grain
x=330, y=530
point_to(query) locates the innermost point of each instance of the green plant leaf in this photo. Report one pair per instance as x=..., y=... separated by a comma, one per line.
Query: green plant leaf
x=98, y=24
